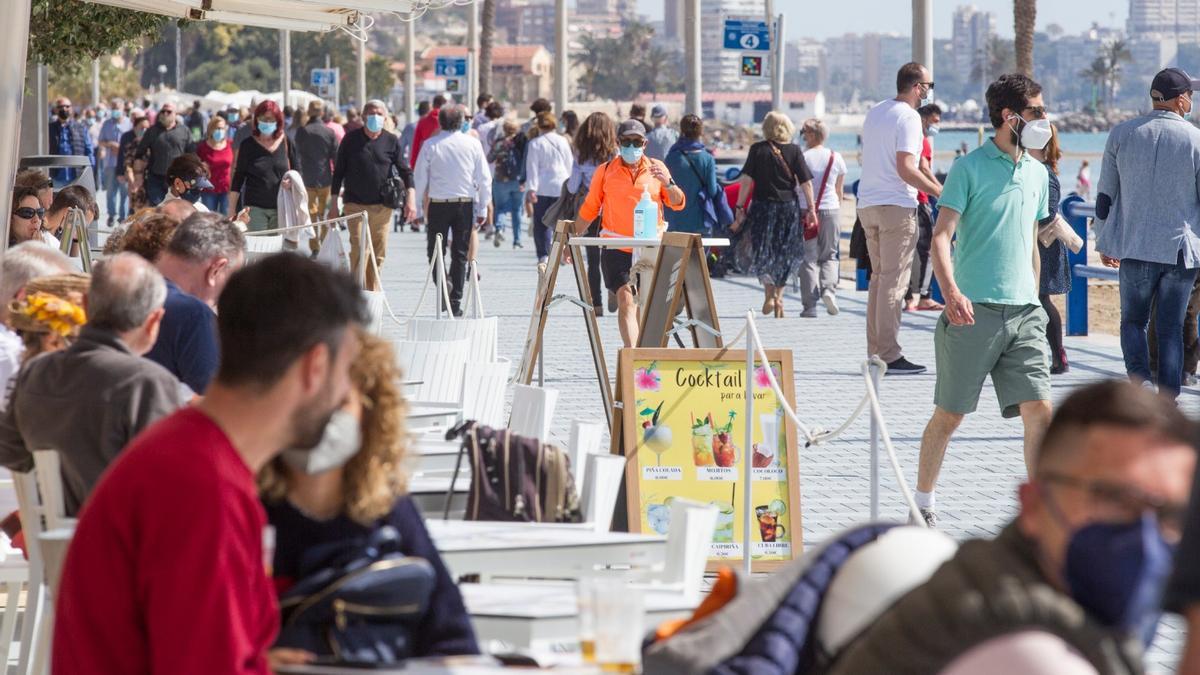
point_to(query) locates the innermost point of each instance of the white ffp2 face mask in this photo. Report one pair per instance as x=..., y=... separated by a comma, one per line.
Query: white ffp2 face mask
x=339, y=443
x=1035, y=134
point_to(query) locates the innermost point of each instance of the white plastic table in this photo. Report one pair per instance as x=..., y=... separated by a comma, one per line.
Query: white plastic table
x=546, y=616
x=494, y=550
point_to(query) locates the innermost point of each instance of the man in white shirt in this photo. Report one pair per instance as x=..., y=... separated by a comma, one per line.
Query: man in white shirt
x=457, y=201
x=548, y=164
x=887, y=207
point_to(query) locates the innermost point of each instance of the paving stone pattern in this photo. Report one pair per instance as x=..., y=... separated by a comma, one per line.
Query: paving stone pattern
x=977, y=487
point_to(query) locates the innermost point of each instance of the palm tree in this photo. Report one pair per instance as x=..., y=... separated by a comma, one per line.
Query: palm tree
x=1024, y=20
x=1097, y=74
x=487, y=36
x=1114, y=54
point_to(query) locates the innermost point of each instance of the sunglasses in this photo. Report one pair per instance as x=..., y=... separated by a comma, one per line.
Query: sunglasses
x=28, y=213
x=633, y=143
x=1125, y=503
x=1039, y=111
x=926, y=84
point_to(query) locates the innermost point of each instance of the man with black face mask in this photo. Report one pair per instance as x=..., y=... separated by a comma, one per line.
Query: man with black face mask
x=68, y=137
x=1072, y=585
x=187, y=177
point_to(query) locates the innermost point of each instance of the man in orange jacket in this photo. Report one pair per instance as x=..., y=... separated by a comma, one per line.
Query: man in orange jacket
x=616, y=189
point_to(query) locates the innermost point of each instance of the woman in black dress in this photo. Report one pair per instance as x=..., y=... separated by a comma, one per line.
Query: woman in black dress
x=776, y=169
x=1056, y=273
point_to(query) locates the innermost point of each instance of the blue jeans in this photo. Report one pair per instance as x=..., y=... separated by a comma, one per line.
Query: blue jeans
x=216, y=202
x=506, y=196
x=1170, y=286
x=116, y=195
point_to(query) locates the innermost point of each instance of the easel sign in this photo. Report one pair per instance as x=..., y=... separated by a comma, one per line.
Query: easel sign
x=680, y=282
x=682, y=423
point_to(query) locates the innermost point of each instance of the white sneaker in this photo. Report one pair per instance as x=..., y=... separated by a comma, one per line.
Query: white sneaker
x=830, y=301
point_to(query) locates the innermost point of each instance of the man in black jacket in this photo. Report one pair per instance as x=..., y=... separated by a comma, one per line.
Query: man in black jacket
x=366, y=159
x=318, y=151
x=161, y=144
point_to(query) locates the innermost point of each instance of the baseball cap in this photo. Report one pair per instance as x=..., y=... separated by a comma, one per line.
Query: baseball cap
x=1169, y=83
x=658, y=111
x=631, y=127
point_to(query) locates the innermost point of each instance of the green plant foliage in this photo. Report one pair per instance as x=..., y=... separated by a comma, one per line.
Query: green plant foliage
x=68, y=34
x=621, y=68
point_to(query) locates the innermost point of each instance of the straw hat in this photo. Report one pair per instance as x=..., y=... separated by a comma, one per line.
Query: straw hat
x=52, y=304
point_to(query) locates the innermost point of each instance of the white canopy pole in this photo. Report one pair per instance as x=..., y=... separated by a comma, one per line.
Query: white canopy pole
x=14, y=40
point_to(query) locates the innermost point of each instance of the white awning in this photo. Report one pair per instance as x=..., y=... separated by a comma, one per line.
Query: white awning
x=297, y=15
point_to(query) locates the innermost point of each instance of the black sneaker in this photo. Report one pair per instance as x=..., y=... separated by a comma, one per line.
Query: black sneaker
x=903, y=366
x=929, y=515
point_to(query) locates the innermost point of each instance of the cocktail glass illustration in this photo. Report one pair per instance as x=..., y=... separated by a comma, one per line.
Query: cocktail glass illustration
x=723, y=533
x=769, y=515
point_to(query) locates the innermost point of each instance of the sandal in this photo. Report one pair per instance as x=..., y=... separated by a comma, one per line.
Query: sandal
x=769, y=307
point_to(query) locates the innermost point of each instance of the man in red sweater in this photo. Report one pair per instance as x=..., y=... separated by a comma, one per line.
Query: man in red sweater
x=167, y=569
x=427, y=126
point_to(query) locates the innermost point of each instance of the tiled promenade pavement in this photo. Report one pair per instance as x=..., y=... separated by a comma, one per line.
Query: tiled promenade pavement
x=976, y=492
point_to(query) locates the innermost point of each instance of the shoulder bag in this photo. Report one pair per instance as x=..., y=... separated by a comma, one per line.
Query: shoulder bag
x=359, y=602
x=393, y=193
x=810, y=232
x=717, y=214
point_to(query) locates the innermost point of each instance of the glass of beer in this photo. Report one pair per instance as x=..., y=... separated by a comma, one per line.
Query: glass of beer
x=619, y=618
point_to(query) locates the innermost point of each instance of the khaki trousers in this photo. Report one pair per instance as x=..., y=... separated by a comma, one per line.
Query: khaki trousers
x=379, y=218
x=318, y=205
x=891, y=239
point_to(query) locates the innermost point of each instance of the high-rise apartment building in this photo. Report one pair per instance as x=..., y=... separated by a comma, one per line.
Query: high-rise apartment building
x=721, y=69
x=973, y=30
x=1172, y=19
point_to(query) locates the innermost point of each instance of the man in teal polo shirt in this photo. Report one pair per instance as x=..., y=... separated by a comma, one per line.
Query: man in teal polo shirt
x=993, y=323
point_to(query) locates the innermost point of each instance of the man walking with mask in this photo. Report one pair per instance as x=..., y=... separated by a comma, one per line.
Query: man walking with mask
x=1072, y=584
x=1147, y=208
x=994, y=323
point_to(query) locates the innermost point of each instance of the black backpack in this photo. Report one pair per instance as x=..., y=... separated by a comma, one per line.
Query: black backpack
x=357, y=601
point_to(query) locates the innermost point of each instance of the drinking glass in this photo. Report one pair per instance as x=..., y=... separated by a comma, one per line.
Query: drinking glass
x=619, y=618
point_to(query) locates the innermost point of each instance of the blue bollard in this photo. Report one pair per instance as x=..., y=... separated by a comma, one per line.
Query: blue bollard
x=1077, y=299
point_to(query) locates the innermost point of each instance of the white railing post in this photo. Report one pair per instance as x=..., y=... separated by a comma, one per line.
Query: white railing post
x=875, y=378
x=747, y=453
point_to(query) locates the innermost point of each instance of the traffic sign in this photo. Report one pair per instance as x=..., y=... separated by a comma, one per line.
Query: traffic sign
x=453, y=85
x=324, y=77
x=753, y=66
x=753, y=35
x=448, y=66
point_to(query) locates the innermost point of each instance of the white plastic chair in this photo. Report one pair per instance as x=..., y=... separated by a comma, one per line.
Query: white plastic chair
x=484, y=385
x=601, y=484
x=14, y=574
x=532, y=410
x=48, y=471
x=482, y=333
x=260, y=246
x=586, y=438
x=438, y=366
x=688, y=542
x=35, y=625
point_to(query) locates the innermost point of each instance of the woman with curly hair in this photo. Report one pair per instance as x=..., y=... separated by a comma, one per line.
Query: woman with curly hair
x=324, y=497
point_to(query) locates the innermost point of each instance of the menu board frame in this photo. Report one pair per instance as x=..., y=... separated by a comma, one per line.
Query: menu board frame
x=629, y=429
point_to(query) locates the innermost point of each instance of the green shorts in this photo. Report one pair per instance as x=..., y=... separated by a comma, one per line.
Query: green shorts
x=1007, y=342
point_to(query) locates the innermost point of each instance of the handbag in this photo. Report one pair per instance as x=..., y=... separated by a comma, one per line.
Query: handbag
x=514, y=478
x=717, y=214
x=393, y=193
x=359, y=602
x=813, y=229
x=795, y=188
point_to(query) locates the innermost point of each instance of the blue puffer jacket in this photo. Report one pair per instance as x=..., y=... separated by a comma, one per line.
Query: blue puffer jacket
x=785, y=643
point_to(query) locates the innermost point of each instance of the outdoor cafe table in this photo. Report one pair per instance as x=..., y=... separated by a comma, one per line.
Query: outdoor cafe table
x=481, y=665
x=492, y=549
x=545, y=617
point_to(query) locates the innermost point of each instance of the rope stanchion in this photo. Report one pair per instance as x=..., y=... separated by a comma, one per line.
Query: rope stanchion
x=871, y=398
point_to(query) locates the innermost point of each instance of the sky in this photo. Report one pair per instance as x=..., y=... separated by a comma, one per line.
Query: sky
x=821, y=18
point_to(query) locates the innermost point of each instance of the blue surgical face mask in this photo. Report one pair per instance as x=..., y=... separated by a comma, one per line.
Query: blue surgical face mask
x=466, y=126
x=932, y=131
x=267, y=128
x=116, y=114
x=1117, y=572
x=374, y=123
x=218, y=135
x=631, y=155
